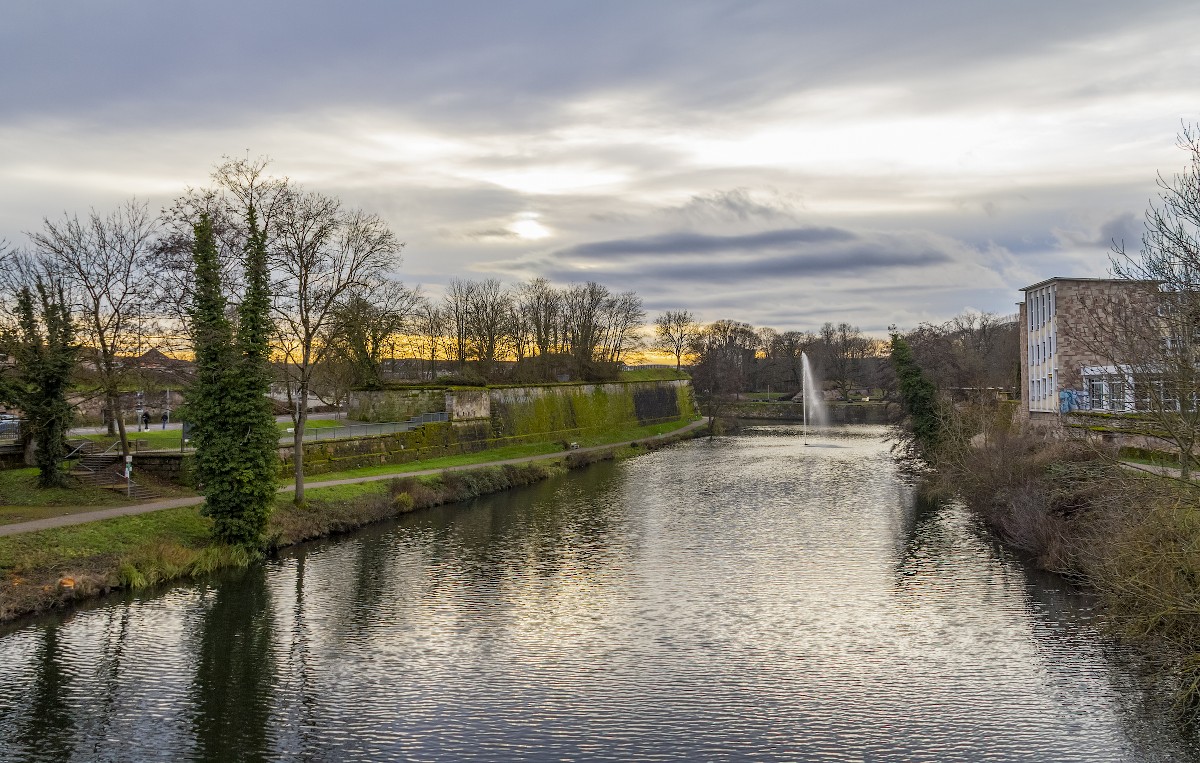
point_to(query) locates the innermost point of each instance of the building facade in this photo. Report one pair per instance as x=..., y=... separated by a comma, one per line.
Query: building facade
x=1067, y=327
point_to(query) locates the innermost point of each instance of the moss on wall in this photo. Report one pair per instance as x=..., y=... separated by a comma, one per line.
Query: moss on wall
x=395, y=404
x=530, y=410
x=428, y=441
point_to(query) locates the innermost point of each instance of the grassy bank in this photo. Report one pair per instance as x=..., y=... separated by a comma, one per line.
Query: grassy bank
x=21, y=500
x=41, y=570
x=1132, y=536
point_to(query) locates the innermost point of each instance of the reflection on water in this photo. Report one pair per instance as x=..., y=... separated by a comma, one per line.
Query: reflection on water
x=742, y=597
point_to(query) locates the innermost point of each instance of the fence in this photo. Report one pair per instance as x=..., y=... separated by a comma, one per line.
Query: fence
x=369, y=430
x=10, y=430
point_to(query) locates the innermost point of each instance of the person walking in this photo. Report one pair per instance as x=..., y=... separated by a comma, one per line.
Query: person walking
x=146, y=420
x=165, y=418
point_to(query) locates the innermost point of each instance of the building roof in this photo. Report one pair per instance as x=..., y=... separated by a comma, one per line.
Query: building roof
x=1062, y=279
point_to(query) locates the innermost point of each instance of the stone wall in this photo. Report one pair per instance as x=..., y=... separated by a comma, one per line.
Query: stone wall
x=395, y=404
x=170, y=467
x=427, y=441
x=1088, y=314
x=468, y=404
x=564, y=408
x=522, y=410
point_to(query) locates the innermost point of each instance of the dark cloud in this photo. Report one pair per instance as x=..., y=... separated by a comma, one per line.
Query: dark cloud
x=738, y=205
x=699, y=243
x=809, y=253
x=493, y=233
x=1123, y=230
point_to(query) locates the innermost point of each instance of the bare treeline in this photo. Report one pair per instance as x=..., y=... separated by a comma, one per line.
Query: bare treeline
x=728, y=357
x=969, y=355
x=533, y=331
x=340, y=315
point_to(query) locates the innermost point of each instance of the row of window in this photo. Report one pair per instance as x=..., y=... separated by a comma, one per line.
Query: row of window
x=1041, y=308
x=1119, y=396
x=1040, y=352
x=1040, y=389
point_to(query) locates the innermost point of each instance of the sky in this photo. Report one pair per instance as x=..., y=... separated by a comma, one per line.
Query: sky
x=780, y=163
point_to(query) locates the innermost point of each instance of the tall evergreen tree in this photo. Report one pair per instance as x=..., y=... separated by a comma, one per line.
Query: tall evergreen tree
x=205, y=398
x=44, y=366
x=237, y=442
x=919, y=396
x=233, y=428
x=258, y=463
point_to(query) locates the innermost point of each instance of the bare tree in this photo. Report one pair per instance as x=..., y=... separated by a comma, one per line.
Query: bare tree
x=623, y=318
x=488, y=311
x=238, y=183
x=540, y=305
x=582, y=321
x=969, y=353
x=429, y=333
x=456, y=308
x=104, y=263
x=725, y=351
x=1154, y=343
x=366, y=322
x=320, y=253
x=675, y=332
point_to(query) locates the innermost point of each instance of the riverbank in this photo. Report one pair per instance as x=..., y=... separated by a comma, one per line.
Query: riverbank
x=1128, y=534
x=52, y=567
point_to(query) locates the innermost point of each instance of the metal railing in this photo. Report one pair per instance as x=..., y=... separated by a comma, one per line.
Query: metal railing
x=10, y=429
x=352, y=431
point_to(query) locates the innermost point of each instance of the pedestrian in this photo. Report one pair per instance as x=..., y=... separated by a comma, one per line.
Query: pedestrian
x=165, y=418
x=146, y=420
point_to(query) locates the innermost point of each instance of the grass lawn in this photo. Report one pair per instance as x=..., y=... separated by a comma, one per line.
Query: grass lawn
x=652, y=374
x=112, y=537
x=22, y=500
x=168, y=439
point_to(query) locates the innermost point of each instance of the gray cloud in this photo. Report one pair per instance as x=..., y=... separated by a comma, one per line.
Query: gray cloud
x=699, y=243
x=976, y=125
x=859, y=261
x=517, y=62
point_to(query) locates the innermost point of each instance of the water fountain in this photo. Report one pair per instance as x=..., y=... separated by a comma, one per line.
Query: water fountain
x=810, y=394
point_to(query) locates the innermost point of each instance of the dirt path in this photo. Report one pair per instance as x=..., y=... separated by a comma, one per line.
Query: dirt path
x=145, y=508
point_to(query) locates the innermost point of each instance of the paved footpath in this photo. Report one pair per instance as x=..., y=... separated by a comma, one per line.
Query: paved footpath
x=175, y=503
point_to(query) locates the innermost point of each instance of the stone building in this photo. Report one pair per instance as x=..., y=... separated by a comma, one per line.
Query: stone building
x=1067, y=328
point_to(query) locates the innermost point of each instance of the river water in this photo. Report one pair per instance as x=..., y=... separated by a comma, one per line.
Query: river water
x=741, y=598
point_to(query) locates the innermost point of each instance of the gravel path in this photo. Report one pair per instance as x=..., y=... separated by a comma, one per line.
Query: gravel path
x=174, y=503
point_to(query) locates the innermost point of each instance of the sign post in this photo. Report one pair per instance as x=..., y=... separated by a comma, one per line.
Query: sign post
x=128, y=472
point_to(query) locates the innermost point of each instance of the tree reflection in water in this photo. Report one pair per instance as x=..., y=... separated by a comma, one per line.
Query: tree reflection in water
x=235, y=669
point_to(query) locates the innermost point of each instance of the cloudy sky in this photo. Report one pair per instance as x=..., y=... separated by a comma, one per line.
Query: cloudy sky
x=783, y=163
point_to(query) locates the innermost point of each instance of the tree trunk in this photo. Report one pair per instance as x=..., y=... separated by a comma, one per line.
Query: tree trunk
x=114, y=406
x=299, y=419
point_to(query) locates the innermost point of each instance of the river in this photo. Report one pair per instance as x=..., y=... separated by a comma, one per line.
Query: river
x=740, y=598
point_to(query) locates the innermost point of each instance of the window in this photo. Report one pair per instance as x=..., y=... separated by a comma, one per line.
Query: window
x=1116, y=396
x=1096, y=392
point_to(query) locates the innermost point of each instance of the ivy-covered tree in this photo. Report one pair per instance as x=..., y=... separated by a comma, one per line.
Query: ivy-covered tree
x=233, y=427
x=44, y=349
x=249, y=405
x=919, y=396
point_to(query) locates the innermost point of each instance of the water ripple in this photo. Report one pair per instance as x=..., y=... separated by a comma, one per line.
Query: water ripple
x=741, y=598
